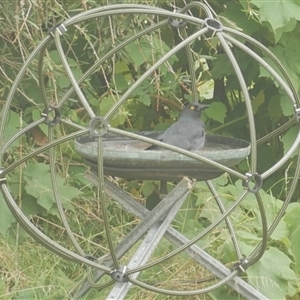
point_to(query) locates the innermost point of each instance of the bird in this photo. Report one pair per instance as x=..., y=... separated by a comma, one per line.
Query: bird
x=188, y=132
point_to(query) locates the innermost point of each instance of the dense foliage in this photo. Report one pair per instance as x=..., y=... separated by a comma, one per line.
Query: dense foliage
x=154, y=106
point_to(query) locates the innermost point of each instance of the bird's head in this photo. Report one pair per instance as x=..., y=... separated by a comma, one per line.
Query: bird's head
x=194, y=109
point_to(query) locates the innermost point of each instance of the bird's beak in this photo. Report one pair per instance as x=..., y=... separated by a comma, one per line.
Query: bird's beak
x=204, y=106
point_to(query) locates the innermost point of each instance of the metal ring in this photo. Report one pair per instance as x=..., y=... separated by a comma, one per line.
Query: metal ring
x=98, y=126
x=120, y=274
x=256, y=180
x=213, y=24
x=51, y=120
x=177, y=23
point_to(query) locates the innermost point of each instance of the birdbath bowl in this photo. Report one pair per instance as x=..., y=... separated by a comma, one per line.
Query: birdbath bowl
x=93, y=101
x=127, y=158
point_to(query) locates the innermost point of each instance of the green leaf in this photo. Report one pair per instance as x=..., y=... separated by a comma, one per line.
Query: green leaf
x=147, y=188
x=36, y=115
x=247, y=235
x=217, y=111
x=290, y=26
x=286, y=104
x=235, y=12
x=274, y=108
x=78, y=173
x=30, y=207
x=288, y=53
x=145, y=99
x=289, y=138
x=121, y=83
x=135, y=54
x=278, y=13
x=106, y=104
x=121, y=67
x=54, y=55
x=39, y=185
x=120, y=115
x=13, y=125
x=292, y=220
x=224, y=292
x=118, y=119
x=222, y=67
x=6, y=217
x=281, y=233
x=206, y=89
x=272, y=274
x=258, y=101
x=63, y=81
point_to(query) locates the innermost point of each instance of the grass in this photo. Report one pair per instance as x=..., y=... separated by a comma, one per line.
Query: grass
x=29, y=271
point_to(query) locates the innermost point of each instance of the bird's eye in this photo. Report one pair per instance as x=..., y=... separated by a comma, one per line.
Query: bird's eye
x=192, y=107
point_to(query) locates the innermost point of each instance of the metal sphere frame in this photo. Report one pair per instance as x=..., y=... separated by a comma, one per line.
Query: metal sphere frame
x=125, y=276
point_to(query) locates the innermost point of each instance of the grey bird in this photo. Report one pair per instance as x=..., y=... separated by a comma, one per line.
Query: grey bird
x=188, y=132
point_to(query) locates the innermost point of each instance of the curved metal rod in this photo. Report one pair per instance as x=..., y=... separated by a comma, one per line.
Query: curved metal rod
x=178, y=150
x=227, y=220
x=69, y=71
x=197, y=5
x=264, y=64
x=191, y=68
x=185, y=293
x=279, y=214
x=284, y=159
x=102, y=198
x=91, y=13
x=19, y=133
x=98, y=285
x=193, y=240
x=182, y=44
x=41, y=237
x=57, y=195
x=73, y=125
x=42, y=149
x=273, y=57
x=259, y=251
x=277, y=131
x=41, y=76
x=253, y=154
x=71, y=76
x=10, y=96
x=289, y=91
x=283, y=208
x=109, y=54
x=137, y=9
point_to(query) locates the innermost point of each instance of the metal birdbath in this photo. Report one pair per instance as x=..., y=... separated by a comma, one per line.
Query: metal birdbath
x=127, y=158
x=111, y=151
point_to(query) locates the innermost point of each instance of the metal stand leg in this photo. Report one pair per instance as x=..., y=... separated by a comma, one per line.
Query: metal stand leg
x=145, y=250
x=174, y=237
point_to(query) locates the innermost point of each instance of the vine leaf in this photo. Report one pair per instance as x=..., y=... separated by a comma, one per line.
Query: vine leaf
x=39, y=185
x=269, y=12
x=292, y=220
x=6, y=217
x=217, y=111
x=289, y=138
x=272, y=274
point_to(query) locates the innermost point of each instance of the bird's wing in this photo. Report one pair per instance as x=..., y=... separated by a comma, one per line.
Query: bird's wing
x=187, y=134
x=178, y=141
x=190, y=129
x=198, y=142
